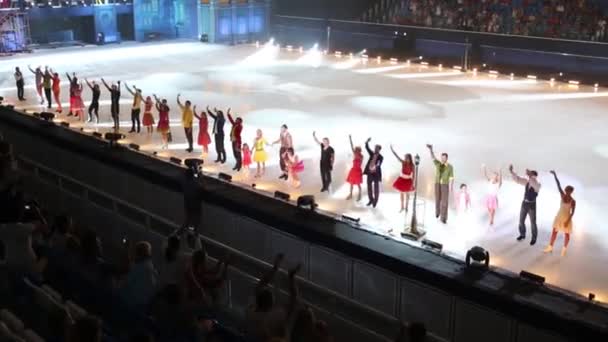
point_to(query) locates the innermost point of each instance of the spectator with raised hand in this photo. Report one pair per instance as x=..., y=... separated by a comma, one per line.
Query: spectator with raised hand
x=141, y=281
x=202, y=283
x=175, y=261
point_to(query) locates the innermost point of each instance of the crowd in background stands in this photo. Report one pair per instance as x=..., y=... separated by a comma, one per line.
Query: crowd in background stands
x=60, y=283
x=567, y=19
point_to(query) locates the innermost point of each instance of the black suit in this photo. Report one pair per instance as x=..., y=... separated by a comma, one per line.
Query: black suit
x=218, y=134
x=374, y=176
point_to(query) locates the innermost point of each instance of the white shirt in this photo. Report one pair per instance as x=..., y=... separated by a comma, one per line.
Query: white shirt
x=525, y=181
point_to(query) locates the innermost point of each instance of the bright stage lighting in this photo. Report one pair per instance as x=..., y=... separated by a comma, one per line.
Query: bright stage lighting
x=493, y=72
x=289, y=48
x=531, y=77
x=312, y=57
x=266, y=55
x=596, y=86
x=573, y=82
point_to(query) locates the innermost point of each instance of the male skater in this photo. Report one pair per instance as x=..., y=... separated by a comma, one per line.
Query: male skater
x=373, y=170
x=47, y=80
x=286, y=146
x=327, y=161
x=115, y=107
x=235, y=139
x=136, y=108
x=444, y=184
x=187, y=119
x=528, y=205
x=218, y=134
x=94, y=106
x=20, y=84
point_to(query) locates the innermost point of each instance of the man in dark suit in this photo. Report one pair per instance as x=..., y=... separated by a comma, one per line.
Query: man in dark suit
x=218, y=134
x=373, y=170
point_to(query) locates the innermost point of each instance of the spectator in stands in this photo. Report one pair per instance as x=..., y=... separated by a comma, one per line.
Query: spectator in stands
x=20, y=257
x=11, y=198
x=141, y=282
x=91, y=247
x=412, y=332
x=61, y=231
x=266, y=319
x=86, y=329
x=175, y=262
x=201, y=283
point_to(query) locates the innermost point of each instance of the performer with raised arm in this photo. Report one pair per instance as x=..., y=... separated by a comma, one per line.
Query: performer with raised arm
x=20, y=83
x=148, y=119
x=444, y=184
x=373, y=171
x=187, y=121
x=405, y=182
x=355, y=175
x=56, y=87
x=73, y=87
x=259, y=154
x=47, y=83
x=136, y=108
x=38, y=74
x=203, y=127
x=235, y=139
x=78, y=105
x=115, y=106
x=528, y=205
x=218, y=134
x=163, y=121
x=327, y=161
x=563, y=220
x=94, y=106
x=286, y=145
x=494, y=184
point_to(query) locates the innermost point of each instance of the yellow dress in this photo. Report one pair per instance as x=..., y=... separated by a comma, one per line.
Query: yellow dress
x=259, y=154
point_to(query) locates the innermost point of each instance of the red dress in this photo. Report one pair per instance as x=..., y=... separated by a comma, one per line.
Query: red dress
x=355, y=175
x=246, y=157
x=163, y=120
x=148, y=119
x=405, y=181
x=203, y=127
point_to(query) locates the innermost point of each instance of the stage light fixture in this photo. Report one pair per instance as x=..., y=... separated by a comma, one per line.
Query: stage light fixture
x=225, y=177
x=254, y=185
x=404, y=34
x=281, y=195
x=420, y=57
x=134, y=146
x=493, y=72
x=351, y=219
x=457, y=67
x=47, y=116
x=479, y=256
x=97, y=135
x=425, y=64
x=114, y=136
x=483, y=65
x=572, y=82
x=552, y=80
x=396, y=33
x=531, y=277
x=596, y=86
x=175, y=160
x=531, y=77
x=307, y=201
x=561, y=74
x=379, y=59
x=338, y=53
x=436, y=246
x=193, y=163
x=591, y=297
x=512, y=76
x=65, y=124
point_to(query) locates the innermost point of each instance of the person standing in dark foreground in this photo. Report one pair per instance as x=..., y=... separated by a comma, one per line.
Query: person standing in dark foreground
x=528, y=205
x=373, y=170
x=327, y=161
x=218, y=134
x=115, y=106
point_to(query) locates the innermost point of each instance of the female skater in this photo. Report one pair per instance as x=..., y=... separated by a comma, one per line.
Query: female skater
x=148, y=119
x=259, y=155
x=38, y=74
x=78, y=103
x=294, y=167
x=405, y=182
x=163, y=121
x=203, y=135
x=563, y=220
x=495, y=182
x=57, y=90
x=73, y=87
x=355, y=175
x=246, y=157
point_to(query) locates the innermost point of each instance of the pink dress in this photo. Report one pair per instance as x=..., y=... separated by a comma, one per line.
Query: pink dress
x=492, y=197
x=355, y=175
x=76, y=100
x=246, y=157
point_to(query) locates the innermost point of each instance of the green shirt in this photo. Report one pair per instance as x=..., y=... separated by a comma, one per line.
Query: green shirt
x=443, y=173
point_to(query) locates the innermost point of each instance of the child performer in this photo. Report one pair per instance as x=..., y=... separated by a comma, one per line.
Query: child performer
x=163, y=121
x=203, y=135
x=463, y=199
x=405, y=182
x=294, y=167
x=563, y=220
x=355, y=175
x=148, y=119
x=246, y=157
x=259, y=155
x=495, y=182
x=57, y=91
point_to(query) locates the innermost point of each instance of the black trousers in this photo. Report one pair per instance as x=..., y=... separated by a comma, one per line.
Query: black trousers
x=135, y=120
x=94, y=109
x=236, y=151
x=188, y=132
x=282, y=163
x=373, y=189
x=325, y=176
x=20, y=90
x=49, y=97
x=528, y=209
x=116, y=120
x=219, y=147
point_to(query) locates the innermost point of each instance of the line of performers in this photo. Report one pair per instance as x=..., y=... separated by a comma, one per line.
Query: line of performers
x=291, y=166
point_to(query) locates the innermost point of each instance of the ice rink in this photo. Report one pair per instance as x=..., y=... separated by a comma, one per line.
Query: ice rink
x=478, y=118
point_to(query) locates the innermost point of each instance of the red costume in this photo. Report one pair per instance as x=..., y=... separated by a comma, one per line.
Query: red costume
x=235, y=132
x=405, y=181
x=148, y=119
x=355, y=175
x=203, y=126
x=163, y=119
x=246, y=157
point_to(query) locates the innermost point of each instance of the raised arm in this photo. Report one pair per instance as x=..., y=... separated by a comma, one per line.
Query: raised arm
x=499, y=177
x=32, y=70
x=352, y=147
x=430, y=147
x=269, y=276
x=396, y=155
x=517, y=178
x=369, y=150
x=179, y=102
x=314, y=136
x=129, y=89
x=88, y=84
x=559, y=185
x=230, y=118
x=106, y=85
x=214, y=116
x=69, y=78
x=198, y=117
x=485, y=172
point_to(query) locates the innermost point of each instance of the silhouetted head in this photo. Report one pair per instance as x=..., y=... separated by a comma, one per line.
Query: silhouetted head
x=17, y=69
x=408, y=158
x=444, y=158
x=463, y=187
x=358, y=150
x=164, y=101
x=569, y=190
x=188, y=103
x=377, y=148
x=148, y=99
x=143, y=251
x=284, y=128
x=56, y=75
x=239, y=120
x=531, y=173
x=325, y=142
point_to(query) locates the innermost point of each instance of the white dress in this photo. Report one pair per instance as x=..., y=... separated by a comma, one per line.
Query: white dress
x=559, y=224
